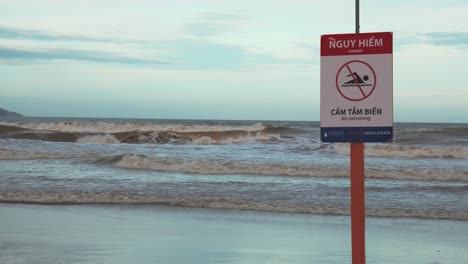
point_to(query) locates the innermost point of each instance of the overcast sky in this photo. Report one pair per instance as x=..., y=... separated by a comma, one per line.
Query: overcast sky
x=219, y=59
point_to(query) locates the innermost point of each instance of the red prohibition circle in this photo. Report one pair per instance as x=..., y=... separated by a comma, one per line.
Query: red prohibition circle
x=364, y=96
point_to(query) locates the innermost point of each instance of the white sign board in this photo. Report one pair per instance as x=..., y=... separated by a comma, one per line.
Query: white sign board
x=356, y=87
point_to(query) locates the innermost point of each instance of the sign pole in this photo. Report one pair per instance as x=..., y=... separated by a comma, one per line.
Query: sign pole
x=358, y=211
x=356, y=107
x=357, y=16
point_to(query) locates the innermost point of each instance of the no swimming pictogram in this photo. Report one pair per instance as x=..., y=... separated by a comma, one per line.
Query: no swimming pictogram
x=356, y=80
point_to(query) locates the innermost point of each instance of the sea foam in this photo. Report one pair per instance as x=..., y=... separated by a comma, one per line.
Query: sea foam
x=222, y=168
x=175, y=165
x=102, y=133
x=406, y=151
x=103, y=127
x=98, y=139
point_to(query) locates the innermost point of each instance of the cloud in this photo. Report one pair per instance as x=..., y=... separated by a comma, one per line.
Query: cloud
x=181, y=53
x=448, y=38
x=213, y=23
x=202, y=54
x=68, y=54
x=206, y=28
x=178, y=54
x=191, y=54
x=216, y=16
x=16, y=33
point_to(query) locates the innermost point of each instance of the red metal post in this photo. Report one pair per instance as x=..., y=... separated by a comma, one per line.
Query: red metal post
x=358, y=213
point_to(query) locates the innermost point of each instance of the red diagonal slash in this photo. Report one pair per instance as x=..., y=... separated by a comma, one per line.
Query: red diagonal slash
x=355, y=81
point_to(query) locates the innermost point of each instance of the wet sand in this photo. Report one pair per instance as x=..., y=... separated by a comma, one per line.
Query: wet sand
x=155, y=234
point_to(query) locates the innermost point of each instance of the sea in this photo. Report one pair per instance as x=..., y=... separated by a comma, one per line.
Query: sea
x=272, y=166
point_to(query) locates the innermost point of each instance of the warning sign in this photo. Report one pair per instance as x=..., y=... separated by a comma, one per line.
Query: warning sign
x=356, y=80
x=356, y=87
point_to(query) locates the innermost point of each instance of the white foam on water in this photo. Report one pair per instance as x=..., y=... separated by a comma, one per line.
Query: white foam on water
x=259, y=136
x=206, y=138
x=417, y=174
x=221, y=167
x=174, y=165
x=98, y=139
x=406, y=151
x=103, y=127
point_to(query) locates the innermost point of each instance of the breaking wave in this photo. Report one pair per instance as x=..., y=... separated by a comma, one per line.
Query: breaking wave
x=165, y=134
x=221, y=167
x=406, y=151
x=446, y=131
x=97, y=139
x=212, y=137
x=103, y=127
x=215, y=167
x=448, y=136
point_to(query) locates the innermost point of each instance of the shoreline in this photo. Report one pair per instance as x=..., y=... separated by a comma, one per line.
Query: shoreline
x=161, y=234
x=139, y=205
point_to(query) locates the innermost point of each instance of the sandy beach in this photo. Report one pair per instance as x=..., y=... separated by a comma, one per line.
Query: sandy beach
x=154, y=234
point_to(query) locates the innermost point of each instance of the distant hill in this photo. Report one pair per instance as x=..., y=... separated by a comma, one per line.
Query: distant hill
x=4, y=112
